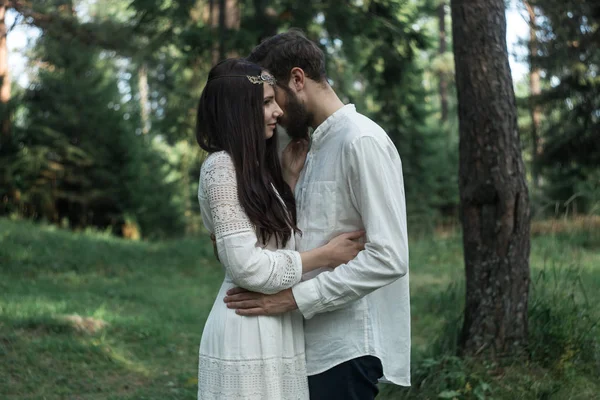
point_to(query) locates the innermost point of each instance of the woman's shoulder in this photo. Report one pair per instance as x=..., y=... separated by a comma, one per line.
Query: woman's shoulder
x=218, y=157
x=217, y=160
x=217, y=168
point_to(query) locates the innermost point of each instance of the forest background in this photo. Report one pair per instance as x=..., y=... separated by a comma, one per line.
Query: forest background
x=101, y=241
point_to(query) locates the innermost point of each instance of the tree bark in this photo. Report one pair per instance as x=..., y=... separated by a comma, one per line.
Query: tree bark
x=5, y=122
x=443, y=84
x=494, y=199
x=534, y=91
x=144, y=103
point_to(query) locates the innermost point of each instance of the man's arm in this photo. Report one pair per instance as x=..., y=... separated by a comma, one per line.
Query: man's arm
x=374, y=177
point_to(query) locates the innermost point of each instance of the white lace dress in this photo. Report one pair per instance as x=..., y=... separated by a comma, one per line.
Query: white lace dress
x=247, y=358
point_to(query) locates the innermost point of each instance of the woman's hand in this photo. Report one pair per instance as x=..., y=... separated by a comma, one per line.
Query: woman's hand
x=293, y=159
x=338, y=251
x=344, y=248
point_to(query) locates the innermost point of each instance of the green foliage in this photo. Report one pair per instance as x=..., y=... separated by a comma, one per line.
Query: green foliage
x=568, y=56
x=381, y=55
x=139, y=66
x=80, y=157
x=374, y=61
x=74, y=135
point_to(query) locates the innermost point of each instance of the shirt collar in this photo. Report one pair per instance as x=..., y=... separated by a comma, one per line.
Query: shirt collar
x=320, y=132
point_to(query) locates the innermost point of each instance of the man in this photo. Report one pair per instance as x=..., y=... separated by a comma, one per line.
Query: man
x=357, y=317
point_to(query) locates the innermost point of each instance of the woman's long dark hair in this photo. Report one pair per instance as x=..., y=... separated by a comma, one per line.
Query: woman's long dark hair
x=231, y=118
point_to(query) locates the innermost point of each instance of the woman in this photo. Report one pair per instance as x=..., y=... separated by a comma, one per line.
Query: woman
x=246, y=203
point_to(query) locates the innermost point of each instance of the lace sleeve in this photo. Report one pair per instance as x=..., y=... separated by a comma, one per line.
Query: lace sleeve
x=249, y=265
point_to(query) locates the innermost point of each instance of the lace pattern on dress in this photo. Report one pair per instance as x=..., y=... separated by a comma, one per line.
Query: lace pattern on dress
x=220, y=379
x=289, y=274
x=219, y=184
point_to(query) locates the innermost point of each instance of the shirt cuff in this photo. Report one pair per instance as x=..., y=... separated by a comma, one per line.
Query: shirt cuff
x=307, y=298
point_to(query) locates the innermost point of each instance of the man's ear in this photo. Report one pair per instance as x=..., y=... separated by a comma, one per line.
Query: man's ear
x=297, y=79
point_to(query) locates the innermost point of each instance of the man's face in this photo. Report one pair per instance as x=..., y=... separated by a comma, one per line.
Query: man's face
x=295, y=118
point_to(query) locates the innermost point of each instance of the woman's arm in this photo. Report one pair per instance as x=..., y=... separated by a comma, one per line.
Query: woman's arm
x=338, y=251
x=249, y=265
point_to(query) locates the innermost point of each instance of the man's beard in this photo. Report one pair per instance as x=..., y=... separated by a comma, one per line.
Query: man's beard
x=296, y=118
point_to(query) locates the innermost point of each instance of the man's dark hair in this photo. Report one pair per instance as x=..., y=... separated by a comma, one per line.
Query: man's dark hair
x=282, y=52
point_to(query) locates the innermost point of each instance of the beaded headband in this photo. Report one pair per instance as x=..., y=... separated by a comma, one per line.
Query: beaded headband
x=257, y=79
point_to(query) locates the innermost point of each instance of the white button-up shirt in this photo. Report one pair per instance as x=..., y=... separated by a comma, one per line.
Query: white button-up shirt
x=352, y=180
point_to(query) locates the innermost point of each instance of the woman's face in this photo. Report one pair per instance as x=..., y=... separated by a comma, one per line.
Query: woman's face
x=272, y=110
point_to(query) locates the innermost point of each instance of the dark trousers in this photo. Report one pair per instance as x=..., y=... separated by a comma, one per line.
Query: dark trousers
x=353, y=380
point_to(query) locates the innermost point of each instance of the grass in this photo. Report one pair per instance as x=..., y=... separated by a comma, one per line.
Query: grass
x=89, y=316
x=564, y=321
x=153, y=297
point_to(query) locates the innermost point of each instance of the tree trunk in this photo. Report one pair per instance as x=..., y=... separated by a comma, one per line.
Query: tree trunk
x=223, y=15
x=266, y=19
x=534, y=91
x=5, y=122
x=144, y=103
x=441, y=51
x=494, y=199
x=211, y=13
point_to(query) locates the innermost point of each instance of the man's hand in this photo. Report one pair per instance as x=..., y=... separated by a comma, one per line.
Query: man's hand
x=250, y=303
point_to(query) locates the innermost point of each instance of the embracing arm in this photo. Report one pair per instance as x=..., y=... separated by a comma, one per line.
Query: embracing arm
x=374, y=177
x=249, y=265
x=238, y=247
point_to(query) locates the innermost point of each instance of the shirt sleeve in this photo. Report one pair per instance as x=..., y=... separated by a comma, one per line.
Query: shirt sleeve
x=249, y=265
x=373, y=173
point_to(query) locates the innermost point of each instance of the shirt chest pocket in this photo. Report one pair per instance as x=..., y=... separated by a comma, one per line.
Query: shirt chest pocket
x=320, y=206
